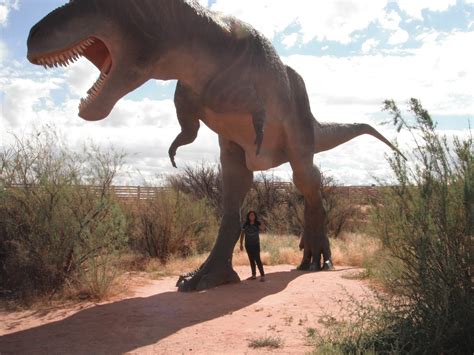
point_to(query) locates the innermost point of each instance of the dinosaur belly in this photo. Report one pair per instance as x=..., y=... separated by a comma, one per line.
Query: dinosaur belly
x=238, y=128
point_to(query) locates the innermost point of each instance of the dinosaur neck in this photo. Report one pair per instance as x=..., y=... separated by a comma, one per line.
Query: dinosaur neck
x=193, y=68
x=190, y=51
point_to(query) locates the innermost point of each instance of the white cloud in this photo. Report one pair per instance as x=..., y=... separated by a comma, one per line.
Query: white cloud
x=439, y=73
x=146, y=112
x=398, y=37
x=79, y=77
x=144, y=129
x=414, y=7
x=5, y=7
x=335, y=20
x=3, y=14
x=3, y=51
x=390, y=20
x=290, y=40
x=352, y=89
x=346, y=89
x=369, y=45
x=21, y=98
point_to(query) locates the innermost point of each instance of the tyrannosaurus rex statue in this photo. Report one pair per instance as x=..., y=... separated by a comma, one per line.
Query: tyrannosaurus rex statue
x=229, y=77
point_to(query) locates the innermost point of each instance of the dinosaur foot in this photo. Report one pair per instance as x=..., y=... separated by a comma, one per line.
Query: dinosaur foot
x=205, y=278
x=304, y=266
x=314, y=266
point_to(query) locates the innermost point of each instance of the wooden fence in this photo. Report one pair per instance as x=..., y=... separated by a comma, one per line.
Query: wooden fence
x=147, y=192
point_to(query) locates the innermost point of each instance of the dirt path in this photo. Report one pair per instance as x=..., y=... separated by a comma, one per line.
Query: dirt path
x=156, y=319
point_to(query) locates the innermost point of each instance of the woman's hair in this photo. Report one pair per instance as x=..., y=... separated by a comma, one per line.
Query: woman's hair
x=247, y=220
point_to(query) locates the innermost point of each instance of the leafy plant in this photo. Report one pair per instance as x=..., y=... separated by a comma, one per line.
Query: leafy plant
x=51, y=225
x=173, y=224
x=425, y=224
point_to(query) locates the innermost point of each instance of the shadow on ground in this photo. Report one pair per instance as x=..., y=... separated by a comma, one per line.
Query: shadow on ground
x=133, y=323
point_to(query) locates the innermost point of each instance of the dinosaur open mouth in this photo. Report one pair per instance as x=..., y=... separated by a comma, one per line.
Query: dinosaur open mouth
x=92, y=49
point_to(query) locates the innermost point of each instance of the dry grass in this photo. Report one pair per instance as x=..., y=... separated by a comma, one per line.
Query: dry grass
x=353, y=249
x=266, y=342
x=350, y=249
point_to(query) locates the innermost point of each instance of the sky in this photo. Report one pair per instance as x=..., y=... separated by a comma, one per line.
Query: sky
x=352, y=54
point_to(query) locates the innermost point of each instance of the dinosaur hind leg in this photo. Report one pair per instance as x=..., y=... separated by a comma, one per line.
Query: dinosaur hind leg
x=237, y=180
x=315, y=243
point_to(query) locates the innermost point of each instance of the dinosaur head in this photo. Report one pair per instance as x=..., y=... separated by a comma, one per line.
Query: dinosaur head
x=103, y=32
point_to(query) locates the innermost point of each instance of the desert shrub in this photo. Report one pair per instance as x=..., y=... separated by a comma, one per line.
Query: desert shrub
x=281, y=207
x=268, y=341
x=270, y=199
x=50, y=226
x=425, y=224
x=173, y=224
x=201, y=182
x=342, y=208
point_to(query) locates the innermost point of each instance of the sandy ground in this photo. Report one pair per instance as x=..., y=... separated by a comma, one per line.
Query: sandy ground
x=155, y=319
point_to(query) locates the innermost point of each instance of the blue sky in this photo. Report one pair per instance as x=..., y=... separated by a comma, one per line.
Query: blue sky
x=351, y=53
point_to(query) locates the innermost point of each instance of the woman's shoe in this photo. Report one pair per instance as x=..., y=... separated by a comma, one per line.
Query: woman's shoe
x=253, y=277
x=262, y=278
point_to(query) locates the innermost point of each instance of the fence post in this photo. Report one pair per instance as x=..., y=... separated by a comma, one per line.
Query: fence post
x=138, y=194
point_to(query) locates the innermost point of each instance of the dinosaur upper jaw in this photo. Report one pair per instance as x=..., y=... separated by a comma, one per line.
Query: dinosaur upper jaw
x=97, y=52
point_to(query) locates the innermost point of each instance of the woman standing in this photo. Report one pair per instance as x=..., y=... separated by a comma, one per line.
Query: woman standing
x=251, y=231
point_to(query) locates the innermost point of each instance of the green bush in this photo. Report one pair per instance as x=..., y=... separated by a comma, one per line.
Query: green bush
x=173, y=224
x=51, y=226
x=281, y=209
x=342, y=209
x=425, y=223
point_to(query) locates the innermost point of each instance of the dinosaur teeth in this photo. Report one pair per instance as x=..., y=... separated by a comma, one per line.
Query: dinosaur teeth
x=67, y=57
x=73, y=54
x=93, y=92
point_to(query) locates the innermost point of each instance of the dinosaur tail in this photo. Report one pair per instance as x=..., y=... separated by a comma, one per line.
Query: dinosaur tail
x=331, y=135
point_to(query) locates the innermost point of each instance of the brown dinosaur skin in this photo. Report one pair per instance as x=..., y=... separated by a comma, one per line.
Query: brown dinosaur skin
x=229, y=77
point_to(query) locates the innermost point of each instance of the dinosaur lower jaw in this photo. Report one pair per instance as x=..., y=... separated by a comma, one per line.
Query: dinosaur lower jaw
x=95, y=90
x=92, y=49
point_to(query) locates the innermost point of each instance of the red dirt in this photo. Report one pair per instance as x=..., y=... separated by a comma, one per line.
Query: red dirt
x=156, y=319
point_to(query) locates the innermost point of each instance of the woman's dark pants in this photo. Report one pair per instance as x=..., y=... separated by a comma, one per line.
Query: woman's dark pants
x=253, y=251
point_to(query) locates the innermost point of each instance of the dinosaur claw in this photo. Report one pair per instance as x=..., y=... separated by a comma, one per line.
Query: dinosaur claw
x=173, y=162
x=172, y=154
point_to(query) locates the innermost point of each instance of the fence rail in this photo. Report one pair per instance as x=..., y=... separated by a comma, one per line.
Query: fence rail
x=147, y=192
x=121, y=192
